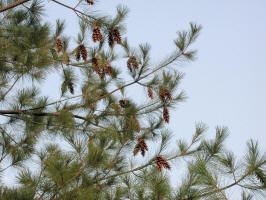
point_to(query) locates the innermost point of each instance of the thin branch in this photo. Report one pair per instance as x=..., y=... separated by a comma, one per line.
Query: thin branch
x=13, y=5
x=2, y=98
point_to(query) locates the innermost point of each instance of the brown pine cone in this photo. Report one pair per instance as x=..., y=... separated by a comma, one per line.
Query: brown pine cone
x=140, y=146
x=137, y=125
x=90, y=2
x=124, y=103
x=97, y=35
x=107, y=68
x=117, y=36
x=94, y=61
x=166, y=114
x=150, y=93
x=165, y=94
x=83, y=52
x=132, y=62
x=59, y=45
x=161, y=162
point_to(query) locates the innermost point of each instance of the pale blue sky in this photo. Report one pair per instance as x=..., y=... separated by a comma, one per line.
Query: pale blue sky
x=226, y=84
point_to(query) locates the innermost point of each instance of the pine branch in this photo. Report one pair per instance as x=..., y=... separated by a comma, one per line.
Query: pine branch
x=13, y=5
x=2, y=98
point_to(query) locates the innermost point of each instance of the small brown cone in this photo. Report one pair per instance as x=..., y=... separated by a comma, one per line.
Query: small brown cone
x=150, y=93
x=164, y=94
x=59, y=45
x=161, y=162
x=141, y=146
x=90, y=2
x=117, y=36
x=166, y=114
x=124, y=103
x=132, y=62
x=83, y=52
x=107, y=68
x=97, y=35
x=94, y=61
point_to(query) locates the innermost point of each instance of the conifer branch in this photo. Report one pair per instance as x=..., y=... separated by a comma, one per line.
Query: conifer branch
x=13, y=5
x=3, y=96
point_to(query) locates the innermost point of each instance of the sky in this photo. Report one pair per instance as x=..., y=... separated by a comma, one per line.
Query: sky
x=225, y=85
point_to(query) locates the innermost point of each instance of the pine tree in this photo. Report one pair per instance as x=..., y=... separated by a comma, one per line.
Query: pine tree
x=81, y=147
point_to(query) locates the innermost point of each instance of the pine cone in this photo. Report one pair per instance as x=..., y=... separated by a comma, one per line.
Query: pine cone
x=59, y=45
x=97, y=35
x=165, y=94
x=107, y=68
x=83, y=52
x=94, y=61
x=71, y=87
x=166, y=114
x=117, y=36
x=150, y=93
x=124, y=103
x=132, y=62
x=90, y=2
x=161, y=162
x=110, y=39
x=140, y=146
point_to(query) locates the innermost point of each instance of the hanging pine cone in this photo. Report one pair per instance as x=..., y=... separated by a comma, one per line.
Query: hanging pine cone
x=97, y=35
x=94, y=61
x=132, y=62
x=124, y=103
x=90, y=2
x=83, y=52
x=150, y=93
x=141, y=146
x=71, y=87
x=117, y=36
x=161, y=162
x=165, y=94
x=59, y=45
x=110, y=39
x=107, y=68
x=166, y=114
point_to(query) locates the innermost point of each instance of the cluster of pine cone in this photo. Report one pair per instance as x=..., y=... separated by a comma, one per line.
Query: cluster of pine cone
x=81, y=51
x=114, y=36
x=132, y=63
x=161, y=162
x=141, y=146
x=101, y=70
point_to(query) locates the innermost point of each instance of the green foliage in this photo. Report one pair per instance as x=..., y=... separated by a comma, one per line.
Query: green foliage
x=87, y=143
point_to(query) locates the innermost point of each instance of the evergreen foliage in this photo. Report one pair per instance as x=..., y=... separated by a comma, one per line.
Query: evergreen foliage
x=89, y=143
